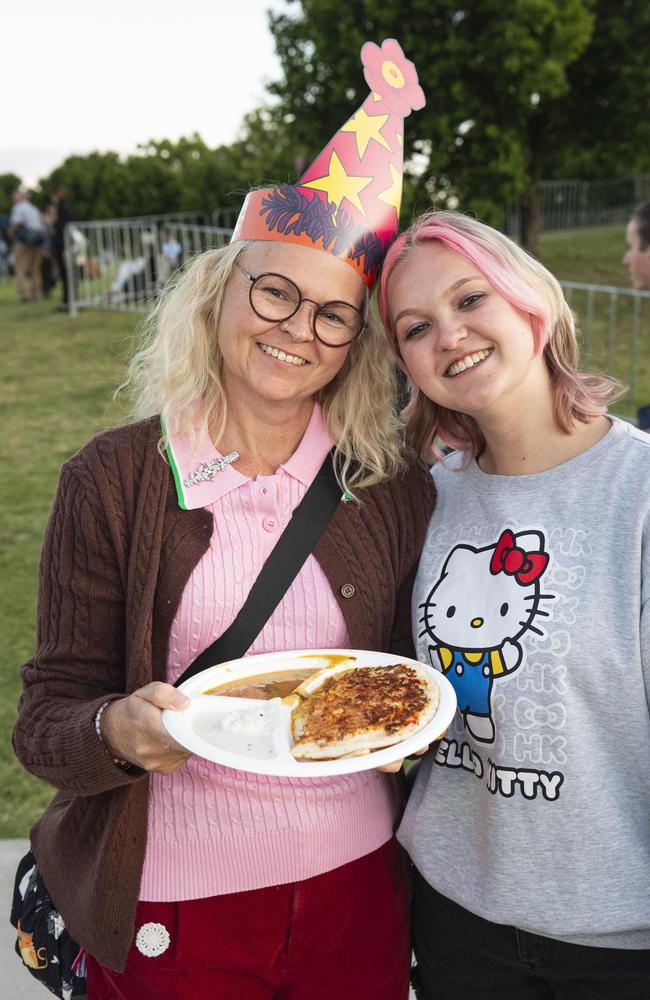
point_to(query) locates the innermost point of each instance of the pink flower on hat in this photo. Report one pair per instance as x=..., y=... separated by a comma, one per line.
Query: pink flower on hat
x=391, y=75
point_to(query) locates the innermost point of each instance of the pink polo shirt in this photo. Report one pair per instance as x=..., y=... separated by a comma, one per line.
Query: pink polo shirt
x=214, y=830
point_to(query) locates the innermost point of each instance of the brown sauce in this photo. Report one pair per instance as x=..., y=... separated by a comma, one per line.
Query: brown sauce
x=265, y=686
x=333, y=659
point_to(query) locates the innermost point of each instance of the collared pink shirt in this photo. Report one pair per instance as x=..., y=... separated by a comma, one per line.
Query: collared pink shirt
x=214, y=830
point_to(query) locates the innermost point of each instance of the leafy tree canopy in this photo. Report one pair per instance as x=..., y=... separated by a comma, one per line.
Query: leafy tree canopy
x=8, y=184
x=515, y=92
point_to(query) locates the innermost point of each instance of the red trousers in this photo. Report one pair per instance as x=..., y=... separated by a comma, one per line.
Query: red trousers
x=343, y=935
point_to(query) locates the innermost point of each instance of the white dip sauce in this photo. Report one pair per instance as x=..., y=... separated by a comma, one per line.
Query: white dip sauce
x=248, y=732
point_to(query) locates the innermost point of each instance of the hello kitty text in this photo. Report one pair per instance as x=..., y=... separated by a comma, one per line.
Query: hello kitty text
x=506, y=781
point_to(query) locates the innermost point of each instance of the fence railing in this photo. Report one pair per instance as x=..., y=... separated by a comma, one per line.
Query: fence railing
x=563, y=204
x=123, y=263
x=171, y=219
x=226, y=217
x=574, y=204
x=614, y=325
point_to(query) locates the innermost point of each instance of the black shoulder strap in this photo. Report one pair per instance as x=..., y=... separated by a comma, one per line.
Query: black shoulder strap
x=278, y=572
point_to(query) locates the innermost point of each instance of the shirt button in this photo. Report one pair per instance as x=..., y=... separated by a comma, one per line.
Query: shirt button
x=269, y=524
x=347, y=590
x=264, y=491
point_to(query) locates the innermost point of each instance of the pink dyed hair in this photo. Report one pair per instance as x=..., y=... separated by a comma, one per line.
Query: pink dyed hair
x=531, y=289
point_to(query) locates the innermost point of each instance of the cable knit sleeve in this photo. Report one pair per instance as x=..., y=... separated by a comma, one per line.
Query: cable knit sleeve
x=414, y=506
x=79, y=660
x=370, y=551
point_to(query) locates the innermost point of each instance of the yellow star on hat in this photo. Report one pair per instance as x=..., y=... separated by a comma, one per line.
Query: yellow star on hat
x=339, y=185
x=393, y=194
x=365, y=128
x=309, y=212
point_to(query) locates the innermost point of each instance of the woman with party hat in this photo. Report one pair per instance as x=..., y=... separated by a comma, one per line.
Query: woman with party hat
x=180, y=877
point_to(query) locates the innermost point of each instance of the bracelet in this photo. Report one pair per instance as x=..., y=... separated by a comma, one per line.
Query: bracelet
x=125, y=765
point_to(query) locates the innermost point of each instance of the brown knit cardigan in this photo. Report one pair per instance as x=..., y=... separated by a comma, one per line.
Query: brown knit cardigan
x=117, y=554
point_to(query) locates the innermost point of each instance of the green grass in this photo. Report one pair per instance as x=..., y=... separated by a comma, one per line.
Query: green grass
x=593, y=256
x=590, y=255
x=57, y=380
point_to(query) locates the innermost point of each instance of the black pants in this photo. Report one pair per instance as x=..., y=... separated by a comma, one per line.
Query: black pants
x=63, y=273
x=463, y=957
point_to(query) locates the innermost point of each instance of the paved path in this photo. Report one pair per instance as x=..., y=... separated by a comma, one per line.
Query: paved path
x=15, y=981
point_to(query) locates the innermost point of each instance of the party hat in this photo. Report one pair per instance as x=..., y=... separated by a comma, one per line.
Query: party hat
x=347, y=202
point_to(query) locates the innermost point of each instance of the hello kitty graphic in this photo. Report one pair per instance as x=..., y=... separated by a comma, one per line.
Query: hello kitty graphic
x=483, y=602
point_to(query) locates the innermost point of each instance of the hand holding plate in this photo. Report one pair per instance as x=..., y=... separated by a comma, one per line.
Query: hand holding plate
x=397, y=764
x=132, y=728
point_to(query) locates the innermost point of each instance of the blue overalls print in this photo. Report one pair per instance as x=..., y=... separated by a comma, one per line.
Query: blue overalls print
x=471, y=681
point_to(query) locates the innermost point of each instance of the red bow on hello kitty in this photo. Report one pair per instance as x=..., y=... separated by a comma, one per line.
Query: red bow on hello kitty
x=508, y=558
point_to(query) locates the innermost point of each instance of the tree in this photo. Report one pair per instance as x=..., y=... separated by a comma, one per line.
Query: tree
x=267, y=150
x=8, y=184
x=515, y=92
x=152, y=187
x=161, y=177
x=192, y=167
x=603, y=128
x=96, y=185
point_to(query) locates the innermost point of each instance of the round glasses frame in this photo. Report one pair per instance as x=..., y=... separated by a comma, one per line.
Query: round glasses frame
x=320, y=307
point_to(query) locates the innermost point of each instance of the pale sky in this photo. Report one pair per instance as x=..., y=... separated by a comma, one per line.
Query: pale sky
x=80, y=76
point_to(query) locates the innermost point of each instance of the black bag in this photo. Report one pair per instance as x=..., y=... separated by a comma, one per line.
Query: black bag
x=298, y=539
x=43, y=942
x=32, y=237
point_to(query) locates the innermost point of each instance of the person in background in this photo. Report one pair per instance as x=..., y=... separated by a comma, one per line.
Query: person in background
x=172, y=253
x=529, y=822
x=643, y=418
x=637, y=255
x=178, y=876
x=48, y=265
x=27, y=229
x=637, y=259
x=4, y=258
x=63, y=214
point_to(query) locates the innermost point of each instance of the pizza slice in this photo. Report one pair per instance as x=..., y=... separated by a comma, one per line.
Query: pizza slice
x=356, y=710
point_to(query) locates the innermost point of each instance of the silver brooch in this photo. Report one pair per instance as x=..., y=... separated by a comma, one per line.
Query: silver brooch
x=208, y=470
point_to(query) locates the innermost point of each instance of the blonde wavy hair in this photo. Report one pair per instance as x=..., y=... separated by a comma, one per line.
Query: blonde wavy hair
x=180, y=362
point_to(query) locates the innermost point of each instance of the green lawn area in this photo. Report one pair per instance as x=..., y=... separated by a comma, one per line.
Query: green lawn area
x=58, y=376
x=590, y=255
x=607, y=328
x=57, y=380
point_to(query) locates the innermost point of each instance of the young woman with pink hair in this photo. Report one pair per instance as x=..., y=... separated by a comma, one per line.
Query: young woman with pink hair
x=528, y=823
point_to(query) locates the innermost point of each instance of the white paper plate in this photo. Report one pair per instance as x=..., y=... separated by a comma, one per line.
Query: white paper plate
x=218, y=727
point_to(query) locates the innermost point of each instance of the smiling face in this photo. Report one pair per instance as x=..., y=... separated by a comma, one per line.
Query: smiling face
x=637, y=258
x=283, y=362
x=462, y=343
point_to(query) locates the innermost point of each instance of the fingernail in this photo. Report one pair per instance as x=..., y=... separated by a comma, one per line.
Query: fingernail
x=180, y=700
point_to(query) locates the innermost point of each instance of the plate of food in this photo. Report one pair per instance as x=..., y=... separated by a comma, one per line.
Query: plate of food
x=312, y=712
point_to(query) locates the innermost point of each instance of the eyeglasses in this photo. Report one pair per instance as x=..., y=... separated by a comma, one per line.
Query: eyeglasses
x=276, y=298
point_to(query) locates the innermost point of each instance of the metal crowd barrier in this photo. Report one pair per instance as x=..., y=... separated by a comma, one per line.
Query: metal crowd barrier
x=227, y=216
x=576, y=204
x=174, y=218
x=614, y=327
x=122, y=264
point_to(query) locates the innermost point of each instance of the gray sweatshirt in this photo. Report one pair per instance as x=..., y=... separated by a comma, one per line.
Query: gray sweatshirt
x=533, y=597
